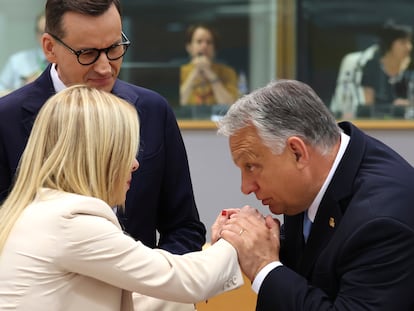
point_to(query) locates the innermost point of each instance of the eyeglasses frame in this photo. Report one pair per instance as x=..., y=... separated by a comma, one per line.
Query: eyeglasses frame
x=125, y=43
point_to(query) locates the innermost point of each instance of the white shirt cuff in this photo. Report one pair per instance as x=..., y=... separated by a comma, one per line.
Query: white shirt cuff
x=258, y=280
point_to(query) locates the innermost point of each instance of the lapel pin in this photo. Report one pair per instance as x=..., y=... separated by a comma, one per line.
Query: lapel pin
x=331, y=222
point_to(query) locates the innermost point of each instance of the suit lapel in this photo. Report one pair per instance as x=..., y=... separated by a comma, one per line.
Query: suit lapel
x=326, y=221
x=292, y=242
x=41, y=89
x=126, y=92
x=335, y=201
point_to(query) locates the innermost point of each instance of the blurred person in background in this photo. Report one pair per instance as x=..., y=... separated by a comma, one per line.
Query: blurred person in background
x=203, y=80
x=385, y=77
x=24, y=66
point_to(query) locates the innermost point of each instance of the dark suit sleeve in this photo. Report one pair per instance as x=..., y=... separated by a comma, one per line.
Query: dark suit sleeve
x=11, y=144
x=371, y=270
x=17, y=114
x=180, y=227
x=161, y=197
x=5, y=179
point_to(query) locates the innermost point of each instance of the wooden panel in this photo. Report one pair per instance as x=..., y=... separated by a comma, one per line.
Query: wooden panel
x=241, y=299
x=285, y=46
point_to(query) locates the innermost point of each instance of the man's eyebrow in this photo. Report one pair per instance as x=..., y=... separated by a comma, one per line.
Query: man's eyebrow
x=237, y=159
x=245, y=156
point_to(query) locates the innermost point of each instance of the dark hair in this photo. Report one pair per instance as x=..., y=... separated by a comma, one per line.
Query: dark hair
x=192, y=28
x=391, y=32
x=55, y=9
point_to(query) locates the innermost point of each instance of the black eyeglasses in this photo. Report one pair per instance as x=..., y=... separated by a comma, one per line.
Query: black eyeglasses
x=89, y=56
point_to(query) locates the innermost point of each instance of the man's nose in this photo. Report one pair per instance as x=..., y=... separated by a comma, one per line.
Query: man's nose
x=102, y=64
x=248, y=186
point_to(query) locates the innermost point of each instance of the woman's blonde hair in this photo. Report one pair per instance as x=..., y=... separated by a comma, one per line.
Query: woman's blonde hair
x=83, y=141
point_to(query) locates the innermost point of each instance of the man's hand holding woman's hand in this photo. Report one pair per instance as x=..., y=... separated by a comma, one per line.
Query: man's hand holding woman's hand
x=255, y=237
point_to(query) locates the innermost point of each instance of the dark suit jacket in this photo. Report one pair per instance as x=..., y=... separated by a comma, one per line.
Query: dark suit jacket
x=360, y=252
x=161, y=195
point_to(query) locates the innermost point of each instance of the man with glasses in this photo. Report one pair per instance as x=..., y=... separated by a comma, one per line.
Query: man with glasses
x=89, y=56
x=84, y=43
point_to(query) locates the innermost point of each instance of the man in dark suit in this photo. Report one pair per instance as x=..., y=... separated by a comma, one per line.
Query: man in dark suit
x=84, y=44
x=347, y=241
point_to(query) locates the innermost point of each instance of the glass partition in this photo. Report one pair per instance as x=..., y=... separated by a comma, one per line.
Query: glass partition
x=246, y=34
x=348, y=48
x=308, y=40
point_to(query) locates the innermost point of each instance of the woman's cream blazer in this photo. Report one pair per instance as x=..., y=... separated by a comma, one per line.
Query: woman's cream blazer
x=68, y=252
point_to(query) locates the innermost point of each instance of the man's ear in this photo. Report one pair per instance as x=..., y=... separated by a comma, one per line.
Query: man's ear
x=299, y=150
x=48, y=45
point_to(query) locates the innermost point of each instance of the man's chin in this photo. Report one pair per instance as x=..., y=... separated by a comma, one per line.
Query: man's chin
x=275, y=210
x=103, y=85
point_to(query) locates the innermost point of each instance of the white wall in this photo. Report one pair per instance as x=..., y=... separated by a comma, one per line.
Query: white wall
x=216, y=179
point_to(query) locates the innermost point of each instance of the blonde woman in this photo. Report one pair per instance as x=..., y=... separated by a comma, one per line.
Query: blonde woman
x=61, y=245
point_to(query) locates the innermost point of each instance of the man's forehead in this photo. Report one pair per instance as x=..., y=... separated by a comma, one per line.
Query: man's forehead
x=247, y=135
x=244, y=143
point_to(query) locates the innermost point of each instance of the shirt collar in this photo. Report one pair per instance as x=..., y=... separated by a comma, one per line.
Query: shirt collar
x=57, y=83
x=313, y=209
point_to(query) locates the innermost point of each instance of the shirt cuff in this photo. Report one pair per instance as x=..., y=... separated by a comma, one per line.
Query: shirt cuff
x=258, y=280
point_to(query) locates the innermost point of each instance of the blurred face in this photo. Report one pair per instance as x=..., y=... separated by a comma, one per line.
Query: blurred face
x=40, y=28
x=202, y=43
x=276, y=180
x=82, y=32
x=401, y=48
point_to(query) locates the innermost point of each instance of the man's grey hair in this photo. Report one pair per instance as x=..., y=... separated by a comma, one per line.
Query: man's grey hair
x=282, y=109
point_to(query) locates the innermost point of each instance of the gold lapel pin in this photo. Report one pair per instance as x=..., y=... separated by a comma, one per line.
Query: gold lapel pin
x=331, y=222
